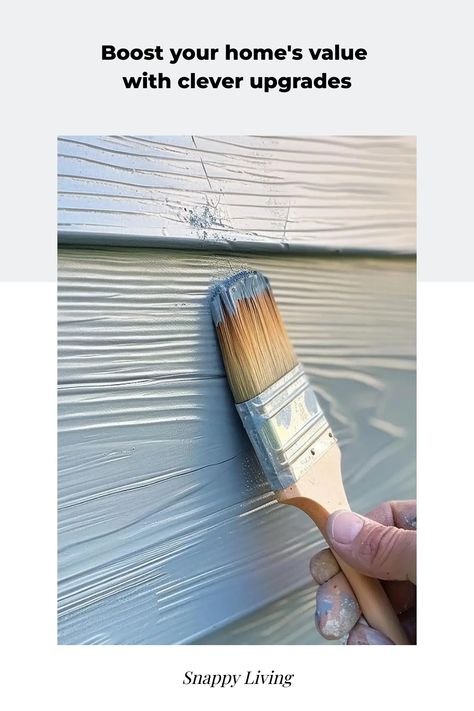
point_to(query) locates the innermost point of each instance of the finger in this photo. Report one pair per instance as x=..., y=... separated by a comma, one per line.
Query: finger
x=408, y=622
x=337, y=609
x=401, y=514
x=383, y=552
x=323, y=566
x=401, y=593
x=363, y=634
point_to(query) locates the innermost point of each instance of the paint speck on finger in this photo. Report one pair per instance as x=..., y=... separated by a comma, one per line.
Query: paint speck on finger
x=336, y=611
x=410, y=522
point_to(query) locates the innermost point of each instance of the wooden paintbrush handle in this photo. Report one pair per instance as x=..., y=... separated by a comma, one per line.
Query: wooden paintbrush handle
x=319, y=493
x=374, y=603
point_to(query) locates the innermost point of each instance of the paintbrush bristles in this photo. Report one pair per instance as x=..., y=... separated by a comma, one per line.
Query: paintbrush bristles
x=255, y=346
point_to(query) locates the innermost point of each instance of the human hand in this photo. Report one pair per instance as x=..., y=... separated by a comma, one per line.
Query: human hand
x=381, y=545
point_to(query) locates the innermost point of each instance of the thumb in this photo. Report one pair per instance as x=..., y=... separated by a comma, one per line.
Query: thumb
x=384, y=552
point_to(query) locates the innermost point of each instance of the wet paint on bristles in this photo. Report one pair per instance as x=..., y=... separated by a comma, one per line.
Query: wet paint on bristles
x=228, y=293
x=254, y=343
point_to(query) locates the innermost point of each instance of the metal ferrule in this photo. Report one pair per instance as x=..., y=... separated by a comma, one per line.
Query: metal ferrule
x=287, y=428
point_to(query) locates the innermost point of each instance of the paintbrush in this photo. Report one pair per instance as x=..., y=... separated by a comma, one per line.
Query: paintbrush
x=293, y=441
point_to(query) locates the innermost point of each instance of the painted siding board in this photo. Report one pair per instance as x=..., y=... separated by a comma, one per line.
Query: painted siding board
x=257, y=193
x=168, y=532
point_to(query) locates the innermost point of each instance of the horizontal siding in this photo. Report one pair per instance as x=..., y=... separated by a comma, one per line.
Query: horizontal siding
x=289, y=620
x=167, y=530
x=256, y=193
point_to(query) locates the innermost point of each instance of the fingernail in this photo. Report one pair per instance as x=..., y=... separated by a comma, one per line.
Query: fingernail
x=323, y=566
x=345, y=526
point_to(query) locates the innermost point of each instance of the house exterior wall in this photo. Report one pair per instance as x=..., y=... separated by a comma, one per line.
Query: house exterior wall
x=257, y=193
x=167, y=531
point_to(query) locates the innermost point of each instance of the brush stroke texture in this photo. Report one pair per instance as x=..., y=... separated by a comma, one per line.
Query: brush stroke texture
x=167, y=530
x=289, y=620
x=249, y=192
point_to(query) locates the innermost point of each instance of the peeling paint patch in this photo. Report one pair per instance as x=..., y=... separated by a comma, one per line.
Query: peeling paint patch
x=205, y=219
